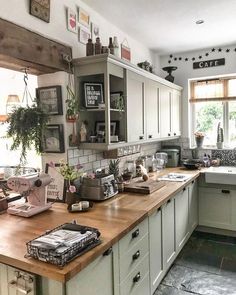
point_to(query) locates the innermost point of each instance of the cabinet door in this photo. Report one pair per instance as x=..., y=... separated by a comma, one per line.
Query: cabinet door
x=155, y=249
x=181, y=218
x=168, y=230
x=135, y=107
x=165, y=111
x=215, y=207
x=175, y=113
x=193, y=205
x=99, y=277
x=152, y=105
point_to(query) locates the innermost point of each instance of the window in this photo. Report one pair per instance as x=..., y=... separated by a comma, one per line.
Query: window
x=213, y=102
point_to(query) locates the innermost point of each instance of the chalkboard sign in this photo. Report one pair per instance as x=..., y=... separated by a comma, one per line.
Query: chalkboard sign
x=93, y=94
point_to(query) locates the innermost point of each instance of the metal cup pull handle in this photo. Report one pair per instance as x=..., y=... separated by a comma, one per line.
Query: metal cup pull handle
x=19, y=288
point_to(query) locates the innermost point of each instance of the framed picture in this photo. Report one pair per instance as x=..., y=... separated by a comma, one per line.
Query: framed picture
x=40, y=9
x=53, y=139
x=84, y=35
x=93, y=95
x=125, y=50
x=50, y=99
x=94, y=31
x=56, y=190
x=83, y=18
x=114, y=127
x=71, y=20
x=116, y=100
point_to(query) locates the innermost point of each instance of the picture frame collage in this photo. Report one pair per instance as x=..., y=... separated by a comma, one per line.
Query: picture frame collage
x=50, y=99
x=78, y=22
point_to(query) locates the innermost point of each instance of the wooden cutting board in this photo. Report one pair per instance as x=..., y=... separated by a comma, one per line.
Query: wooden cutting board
x=144, y=187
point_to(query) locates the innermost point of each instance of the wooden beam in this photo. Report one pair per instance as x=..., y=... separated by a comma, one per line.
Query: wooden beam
x=20, y=47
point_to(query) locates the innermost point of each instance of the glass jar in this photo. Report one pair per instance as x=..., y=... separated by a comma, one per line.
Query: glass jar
x=149, y=163
x=130, y=166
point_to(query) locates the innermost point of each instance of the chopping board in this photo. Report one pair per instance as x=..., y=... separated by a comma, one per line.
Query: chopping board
x=144, y=187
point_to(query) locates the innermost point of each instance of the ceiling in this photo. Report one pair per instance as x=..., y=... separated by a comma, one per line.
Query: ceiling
x=168, y=26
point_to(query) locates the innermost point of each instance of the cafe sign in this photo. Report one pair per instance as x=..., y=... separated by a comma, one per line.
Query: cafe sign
x=209, y=63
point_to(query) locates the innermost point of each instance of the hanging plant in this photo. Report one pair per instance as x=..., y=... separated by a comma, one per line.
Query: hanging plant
x=71, y=101
x=26, y=127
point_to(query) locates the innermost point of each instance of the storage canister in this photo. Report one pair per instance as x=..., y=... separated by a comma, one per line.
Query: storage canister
x=173, y=157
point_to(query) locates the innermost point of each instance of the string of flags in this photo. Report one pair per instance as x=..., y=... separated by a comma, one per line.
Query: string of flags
x=201, y=56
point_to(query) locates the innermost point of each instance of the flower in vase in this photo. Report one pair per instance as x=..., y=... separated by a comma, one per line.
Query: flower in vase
x=199, y=134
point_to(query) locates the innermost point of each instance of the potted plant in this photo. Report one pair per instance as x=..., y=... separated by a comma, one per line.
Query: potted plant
x=220, y=137
x=26, y=127
x=199, y=138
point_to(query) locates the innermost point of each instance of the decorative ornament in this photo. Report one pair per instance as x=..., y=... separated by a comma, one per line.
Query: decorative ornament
x=219, y=49
x=169, y=61
x=171, y=56
x=180, y=58
x=227, y=50
x=186, y=59
x=175, y=58
x=213, y=50
x=193, y=58
x=169, y=70
x=207, y=54
x=200, y=57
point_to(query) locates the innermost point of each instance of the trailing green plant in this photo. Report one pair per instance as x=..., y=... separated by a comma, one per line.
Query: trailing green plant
x=72, y=103
x=26, y=127
x=114, y=168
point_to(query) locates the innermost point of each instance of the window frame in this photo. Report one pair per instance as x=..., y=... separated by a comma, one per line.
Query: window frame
x=225, y=101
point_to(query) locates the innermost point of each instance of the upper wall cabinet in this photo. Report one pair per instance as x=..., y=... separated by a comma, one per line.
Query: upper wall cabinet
x=170, y=112
x=124, y=104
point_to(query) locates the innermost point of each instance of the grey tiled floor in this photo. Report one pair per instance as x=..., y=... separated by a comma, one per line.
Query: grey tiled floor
x=205, y=266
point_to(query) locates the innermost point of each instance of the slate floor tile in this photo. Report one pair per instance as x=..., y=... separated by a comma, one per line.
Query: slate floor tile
x=200, y=261
x=218, y=249
x=199, y=282
x=166, y=290
x=228, y=268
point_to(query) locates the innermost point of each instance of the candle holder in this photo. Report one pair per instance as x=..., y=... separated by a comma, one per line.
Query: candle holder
x=169, y=70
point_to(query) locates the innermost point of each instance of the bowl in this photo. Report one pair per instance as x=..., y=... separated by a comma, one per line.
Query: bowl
x=191, y=165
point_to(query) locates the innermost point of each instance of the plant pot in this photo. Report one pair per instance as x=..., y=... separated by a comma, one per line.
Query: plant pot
x=199, y=141
x=219, y=145
x=71, y=198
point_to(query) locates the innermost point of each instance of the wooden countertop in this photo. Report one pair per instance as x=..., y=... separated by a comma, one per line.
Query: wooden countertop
x=114, y=218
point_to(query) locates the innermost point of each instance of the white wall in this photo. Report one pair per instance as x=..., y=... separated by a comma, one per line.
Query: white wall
x=185, y=71
x=17, y=11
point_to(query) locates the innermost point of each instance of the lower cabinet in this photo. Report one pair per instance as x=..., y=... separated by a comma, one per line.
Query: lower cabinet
x=181, y=218
x=15, y=281
x=193, y=205
x=168, y=232
x=215, y=208
x=155, y=249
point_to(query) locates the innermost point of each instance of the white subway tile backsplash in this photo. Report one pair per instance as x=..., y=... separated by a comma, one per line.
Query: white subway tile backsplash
x=92, y=158
x=96, y=165
x=73, y=162
x=88, y=152
x=88, y=167
x=83, y=160
x=76, y=153
x=70, y=153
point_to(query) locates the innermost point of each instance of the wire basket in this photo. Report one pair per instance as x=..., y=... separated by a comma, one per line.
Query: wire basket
x=63, y=254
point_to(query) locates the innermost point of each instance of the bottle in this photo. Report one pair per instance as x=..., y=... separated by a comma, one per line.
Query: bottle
x=116, y=47
x=89, y=48
x=111, y=46
x=98, y=46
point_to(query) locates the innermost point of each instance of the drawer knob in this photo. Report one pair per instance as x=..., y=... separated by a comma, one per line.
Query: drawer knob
x=149, y=136
x=174, y=134
x=168, y=134
x=225, y=191
x=137, y=277
x=141, y=137
x=136, y=255
x=135, y=234
x=168, y=201
x=184, y=189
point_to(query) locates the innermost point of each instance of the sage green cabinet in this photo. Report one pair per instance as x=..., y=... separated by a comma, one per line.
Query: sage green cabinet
x=168, y=230
x=155, y=248
x=193, y=205
x=135, y=107
x=152, y=109
x=181, y=218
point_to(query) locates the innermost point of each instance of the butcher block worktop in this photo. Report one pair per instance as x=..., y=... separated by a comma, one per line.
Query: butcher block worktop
x=113, y=218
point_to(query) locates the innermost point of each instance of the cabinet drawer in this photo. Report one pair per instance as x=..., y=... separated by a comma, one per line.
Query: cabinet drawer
x=137, y=281
x=133, y=237
x=129, y=261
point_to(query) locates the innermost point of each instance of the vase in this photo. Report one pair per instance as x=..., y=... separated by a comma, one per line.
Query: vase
x=199, y=141
x=71, y=198
x=169, y=70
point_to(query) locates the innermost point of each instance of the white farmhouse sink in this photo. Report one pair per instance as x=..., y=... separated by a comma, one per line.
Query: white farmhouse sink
x=221, y=175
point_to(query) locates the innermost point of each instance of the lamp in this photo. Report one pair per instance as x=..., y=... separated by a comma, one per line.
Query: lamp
x=13, y=100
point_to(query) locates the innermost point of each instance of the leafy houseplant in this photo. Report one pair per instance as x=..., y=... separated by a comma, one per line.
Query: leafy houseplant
x=114, y=168
x=26, y=127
